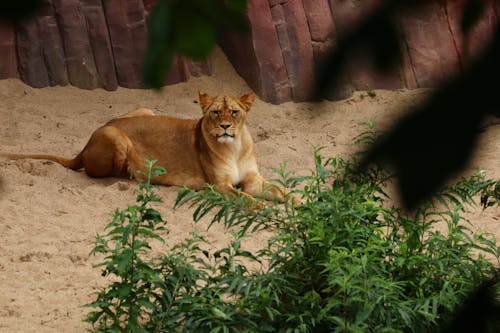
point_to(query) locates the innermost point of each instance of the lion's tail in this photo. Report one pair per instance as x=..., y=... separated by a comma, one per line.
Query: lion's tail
x=72, y=163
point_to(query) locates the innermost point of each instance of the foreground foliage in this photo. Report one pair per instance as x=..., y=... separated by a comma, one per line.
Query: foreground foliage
x=344, y=260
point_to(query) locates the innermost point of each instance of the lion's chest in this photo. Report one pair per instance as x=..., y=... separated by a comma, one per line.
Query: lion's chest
x=237, y=171
x=230, y=162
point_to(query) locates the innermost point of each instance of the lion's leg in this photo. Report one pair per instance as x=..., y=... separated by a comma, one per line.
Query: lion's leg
x=226, y=188
x=110, y=152
x=180, y=179
x=255, y=185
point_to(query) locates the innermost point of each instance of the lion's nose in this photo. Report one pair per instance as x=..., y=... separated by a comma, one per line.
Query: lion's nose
x=225, y=126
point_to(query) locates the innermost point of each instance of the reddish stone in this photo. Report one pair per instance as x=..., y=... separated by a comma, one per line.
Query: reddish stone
x=360, y=72
x=53, y=49
x=473, y=43
x=127, y=29
x=348, y=13
x=178, y=71
x=273, y=81
x=149, y=4
x=241, y=53
x=91, y=46
x=31, y=64
x=8, y=60
x=431, y=47
x=258, y=57
x=273, y=3
x=200, y=68
x=407, y=74
x=101, y=45
x=82, y=71
x=320, y=21
x=295, y=41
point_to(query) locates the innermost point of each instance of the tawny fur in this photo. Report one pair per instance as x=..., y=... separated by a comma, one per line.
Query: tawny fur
x=216, y=149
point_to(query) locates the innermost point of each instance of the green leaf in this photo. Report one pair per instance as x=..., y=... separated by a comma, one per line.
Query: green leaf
x=153, y=215
x=147, y=304
x=124, y=260
x=124, y=290
x=149, y=234
x=346, y=260
x=219, y=314
x=236, y=5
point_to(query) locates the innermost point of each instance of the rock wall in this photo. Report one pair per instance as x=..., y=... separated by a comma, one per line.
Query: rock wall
x=290, y=37
x=86, y=43
x=100, y=44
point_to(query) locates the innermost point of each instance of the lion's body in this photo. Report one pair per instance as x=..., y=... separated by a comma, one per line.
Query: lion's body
x=216, y=149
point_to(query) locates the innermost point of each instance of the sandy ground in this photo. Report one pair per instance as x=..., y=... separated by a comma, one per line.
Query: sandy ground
x=49, y=215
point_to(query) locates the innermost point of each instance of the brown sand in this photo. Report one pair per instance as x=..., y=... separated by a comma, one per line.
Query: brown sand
x=49, y=215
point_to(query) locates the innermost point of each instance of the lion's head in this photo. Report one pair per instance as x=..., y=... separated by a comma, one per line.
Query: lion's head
x=225, y=115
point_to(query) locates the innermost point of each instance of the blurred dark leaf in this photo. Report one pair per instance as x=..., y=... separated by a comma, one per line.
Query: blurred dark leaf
x=471, y=14
x=377, y=36
x=236, y=5
x=480, y=311
x=18, y=10
x=158, y=55
x=195, y=32
x=187, y=28
x=437, y=139
x=385, y=43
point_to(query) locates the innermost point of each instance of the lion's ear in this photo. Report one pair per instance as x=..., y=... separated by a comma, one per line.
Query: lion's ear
x=205, y=100
x=247, y=100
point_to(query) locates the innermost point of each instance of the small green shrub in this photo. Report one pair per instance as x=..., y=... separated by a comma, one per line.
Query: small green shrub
x=127, y=303
x=344, y=260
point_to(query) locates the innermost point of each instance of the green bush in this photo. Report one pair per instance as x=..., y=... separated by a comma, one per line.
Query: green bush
x=127, y=303
x=343, y=260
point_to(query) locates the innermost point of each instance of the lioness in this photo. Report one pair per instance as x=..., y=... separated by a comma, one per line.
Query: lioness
x=216, y=149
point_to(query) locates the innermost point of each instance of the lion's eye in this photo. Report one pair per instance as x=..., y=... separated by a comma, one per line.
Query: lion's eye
x=234, y=112
x=215, y=113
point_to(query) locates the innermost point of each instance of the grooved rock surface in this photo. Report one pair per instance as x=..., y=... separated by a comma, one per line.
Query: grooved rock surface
x=258, y=58
x=82, y=71
x=86, y=43
x=100, y=44
x=473, y=42
x=432, y=45
x=8, y=62
x=127, y=30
